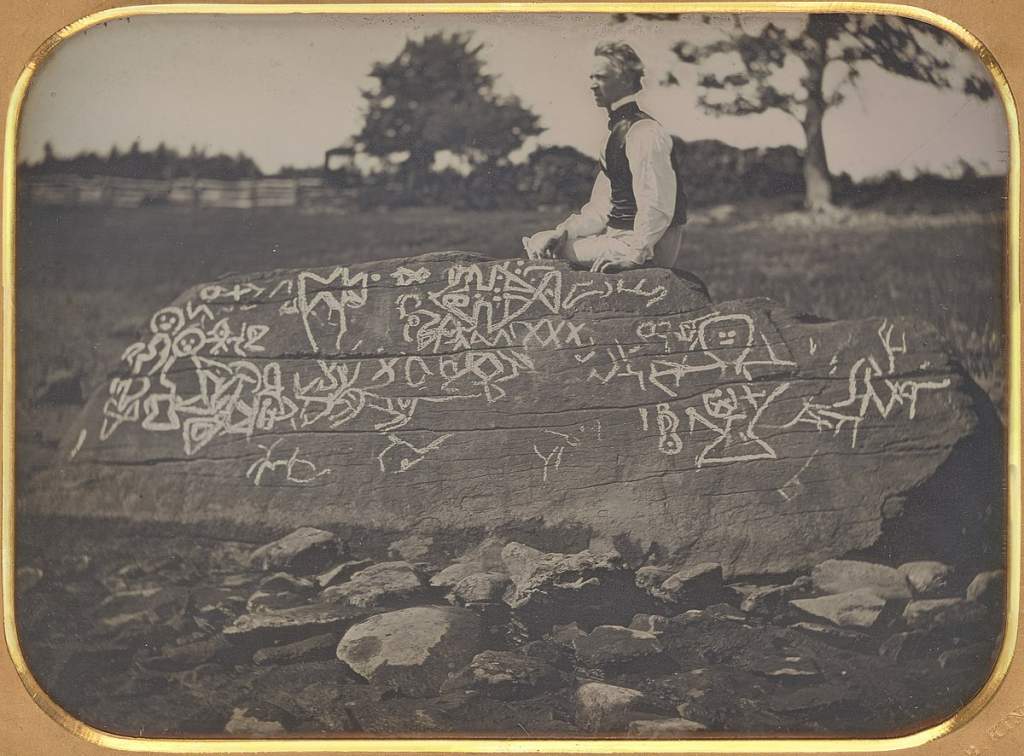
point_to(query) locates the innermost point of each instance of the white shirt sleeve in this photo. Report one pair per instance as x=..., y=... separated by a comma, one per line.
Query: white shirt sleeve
x=592, y=218
x=649, y=151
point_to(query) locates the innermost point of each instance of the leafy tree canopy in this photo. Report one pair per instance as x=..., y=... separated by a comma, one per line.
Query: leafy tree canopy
x=757, y=63
x=434, y=96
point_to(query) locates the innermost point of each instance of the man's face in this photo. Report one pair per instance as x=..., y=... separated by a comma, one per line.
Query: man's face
x=607, y=83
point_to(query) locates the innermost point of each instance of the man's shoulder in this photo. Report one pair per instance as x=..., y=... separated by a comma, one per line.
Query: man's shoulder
x=648, y=134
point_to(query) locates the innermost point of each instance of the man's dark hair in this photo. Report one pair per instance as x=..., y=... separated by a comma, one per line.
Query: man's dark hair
x=624, y=58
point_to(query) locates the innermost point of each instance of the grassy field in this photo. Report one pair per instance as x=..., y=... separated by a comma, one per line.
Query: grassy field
x=88, y=278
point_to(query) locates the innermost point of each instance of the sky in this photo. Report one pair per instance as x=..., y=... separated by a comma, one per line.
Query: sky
x=283, y=89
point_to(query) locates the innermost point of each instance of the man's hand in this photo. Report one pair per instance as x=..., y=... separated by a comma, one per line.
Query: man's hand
x=610, y=261
x=544, y=245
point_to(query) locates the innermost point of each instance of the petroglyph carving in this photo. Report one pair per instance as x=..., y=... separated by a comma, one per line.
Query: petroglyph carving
x=726, y=408
x=406, y=277
x=726, y=344
x=476, y=331
x=323, y=300
x=237, y=293
x=556, y=446
x=296, y=470
x=401, y=455
x=621, y=366
x=668, y=426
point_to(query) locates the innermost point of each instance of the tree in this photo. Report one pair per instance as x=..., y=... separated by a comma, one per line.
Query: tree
x=901, y=46
x=436, y=96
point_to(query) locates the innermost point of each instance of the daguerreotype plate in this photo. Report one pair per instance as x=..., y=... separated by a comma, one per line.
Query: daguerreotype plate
x=480, y=378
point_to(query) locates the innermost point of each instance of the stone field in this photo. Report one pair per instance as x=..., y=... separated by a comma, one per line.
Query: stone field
x=154, y=635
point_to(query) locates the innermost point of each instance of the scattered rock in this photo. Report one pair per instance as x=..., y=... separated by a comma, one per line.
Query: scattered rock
x=974, y=656
x=148, y=605
x=320, y=695
x=506, y=676
x=557, y=655
x=726, y=612
x=281, y=582
x=341, y=572
x=614, y=646
x=790, y=668
x=845, y=575
x=411, y=548
x=916, y=644
x=520, y=562
x=380, y=585
x=664, y=728
x=566, y=635
x=286, y=625
x=27, y=578
x=317, y=648
x=482, y=587
x=302, y=552
x=242, y=580
x=767, y=601
x=412, y=650
x=988, y=588
x=649, y=623
x=247, y=721
x=944, y=614
x=261, y=601
x=651, y=577
x=192, y=655
x=738, y=592
x=485, y=557
x=610, y=708
x=860, y=608
x=587, y=588
x=692, y=584
x=835, y=636
x=927, y=578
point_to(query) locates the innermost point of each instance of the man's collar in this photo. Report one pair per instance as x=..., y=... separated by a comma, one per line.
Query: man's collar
x=621, y=109
x=623, y=101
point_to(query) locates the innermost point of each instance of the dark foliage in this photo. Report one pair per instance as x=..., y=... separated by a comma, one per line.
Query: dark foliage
x=160, y=163
x=436, y=96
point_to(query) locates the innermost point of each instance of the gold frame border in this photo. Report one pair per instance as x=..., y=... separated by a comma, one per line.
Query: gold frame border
x=1012, y=294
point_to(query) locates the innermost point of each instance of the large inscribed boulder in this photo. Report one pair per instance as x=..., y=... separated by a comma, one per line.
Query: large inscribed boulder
x=452, y=391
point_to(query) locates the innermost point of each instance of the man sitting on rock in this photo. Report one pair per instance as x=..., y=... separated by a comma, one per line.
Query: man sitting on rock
x=636, y=210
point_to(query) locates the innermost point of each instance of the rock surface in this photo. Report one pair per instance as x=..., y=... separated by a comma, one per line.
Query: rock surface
x=612, y=645
x=860, y=608
x=988, y=588
x=602, y=708
x=943, y=614
x=484, y=557
x=622, y=404
x=927, y=578
x=844, y=575
x=379, y=585
x=481, y=587
x=412, y=650
x=690, y=584
x=303, y=551
x=554, y=588
x=664, y=728
x=506, y=676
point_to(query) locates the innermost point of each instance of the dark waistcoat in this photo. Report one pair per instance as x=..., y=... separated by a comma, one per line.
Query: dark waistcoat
x=616, y=167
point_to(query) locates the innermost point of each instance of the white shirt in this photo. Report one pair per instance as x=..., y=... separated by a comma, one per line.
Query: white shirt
x=649, y=152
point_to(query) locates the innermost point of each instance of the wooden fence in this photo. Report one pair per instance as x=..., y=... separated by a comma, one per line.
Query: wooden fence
x=108, y=191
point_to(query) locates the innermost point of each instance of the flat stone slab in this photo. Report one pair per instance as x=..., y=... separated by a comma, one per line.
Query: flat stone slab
x=472, y=393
